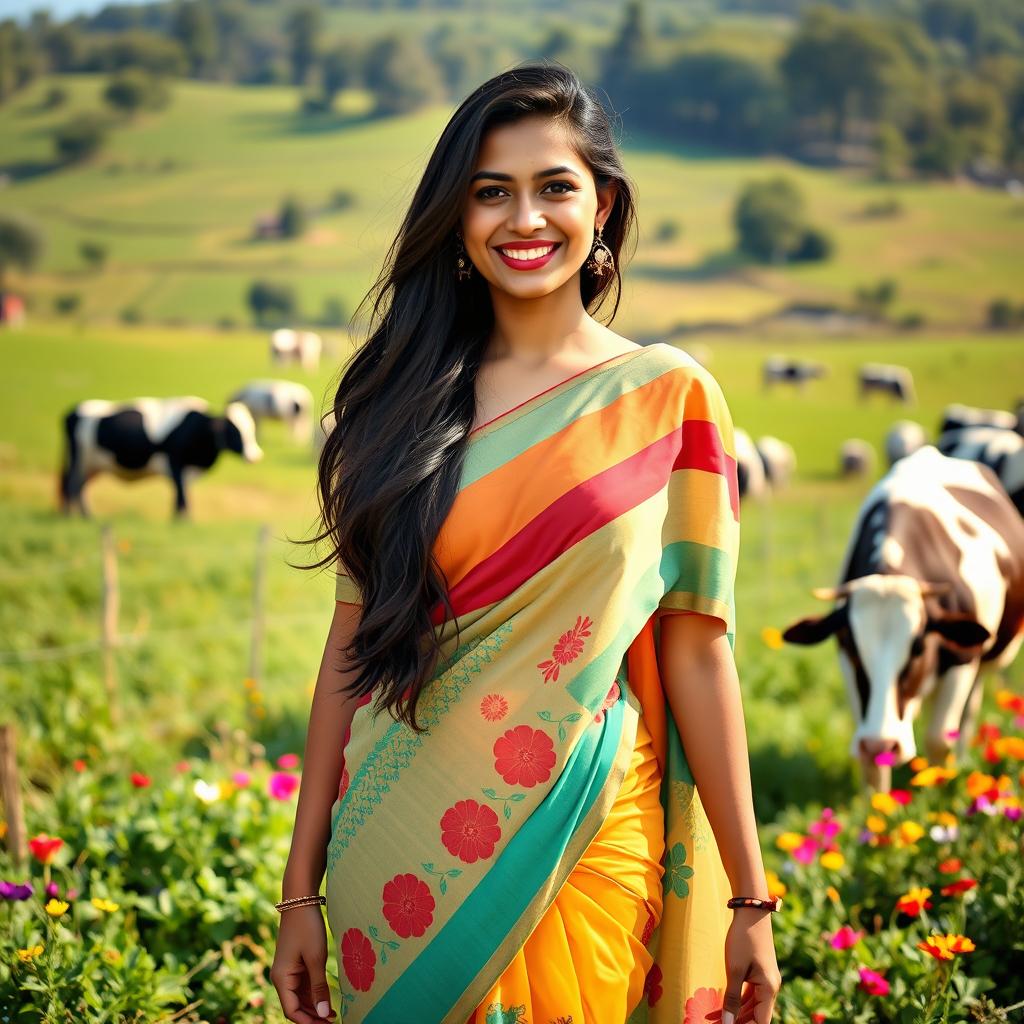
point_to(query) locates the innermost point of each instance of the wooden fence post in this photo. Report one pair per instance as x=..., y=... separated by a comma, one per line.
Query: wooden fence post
x=10, y=786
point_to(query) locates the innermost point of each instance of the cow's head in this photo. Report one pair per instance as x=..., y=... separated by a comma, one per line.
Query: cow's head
x=239, y=433
x=889, y=629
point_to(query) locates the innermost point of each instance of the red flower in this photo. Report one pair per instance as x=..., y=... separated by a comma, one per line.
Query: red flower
x=44, y=848
x=408, y=906
x=704, y=1005
x=901, y=796
x=494, y=707
x=818, y=1018
x=960, y=885
x=358, y=959
x=568, y=648
x=648, y=929
x=140, y=781
x=951, y=866
x=610, y=699
x=524, y=756
x=652, y=985
x=78, y=764
x=469, y=831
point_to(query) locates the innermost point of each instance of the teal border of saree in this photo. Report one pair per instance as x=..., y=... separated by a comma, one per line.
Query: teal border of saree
x=447, y=975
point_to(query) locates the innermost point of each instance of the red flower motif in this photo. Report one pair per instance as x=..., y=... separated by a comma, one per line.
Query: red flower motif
x=469, y=831
x=524, y=756
x=652, y=985
x=704, y=1005
x=358, y=959
x=648, y=929
x=343, y=784
x=610, y=699
x=568, y=648
x=408, y=906
x=494, y=707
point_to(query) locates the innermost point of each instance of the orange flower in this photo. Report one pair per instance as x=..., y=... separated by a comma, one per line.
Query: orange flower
x=876, y=823
x=951, y=866
x=1009, y=746
x=883, y=802
x=772, y=638
x=914, y=902
x=908, y=833
x=943, y=947
x=979, y=784
x=1010, y=701
x=917, y=763
x=776, y=887
x=933, y=775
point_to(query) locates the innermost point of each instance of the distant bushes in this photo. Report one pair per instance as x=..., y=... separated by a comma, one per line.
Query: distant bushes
x=272, y=302
x=770, y=222
x=1003, y=314
x=135, y=89
x=79, y=139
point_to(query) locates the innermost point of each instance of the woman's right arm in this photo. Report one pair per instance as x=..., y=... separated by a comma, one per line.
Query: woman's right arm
x=299, y=969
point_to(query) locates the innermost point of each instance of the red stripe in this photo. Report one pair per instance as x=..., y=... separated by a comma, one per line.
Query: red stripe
x=587, y=507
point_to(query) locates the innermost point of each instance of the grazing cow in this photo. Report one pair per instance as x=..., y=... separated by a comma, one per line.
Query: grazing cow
x=856, y=458
x=290, y=346
x=284, y=400
x=778, y=459
x=957, y=417
x=174, y=437
x=749, y=468
x=904, y=438
x=1001, y=450
x=789, y=371
x=886, y=379
x=931, y=591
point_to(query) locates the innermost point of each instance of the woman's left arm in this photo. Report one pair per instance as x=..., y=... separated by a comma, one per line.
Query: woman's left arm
x=703, y=691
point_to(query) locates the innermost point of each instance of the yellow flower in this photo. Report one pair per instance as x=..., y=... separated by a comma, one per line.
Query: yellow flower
x=1010, y=746
x=776, y=887
x=789, y=840
x=932, y=776
x=978, y=783
x=917, y=763
x=832, y=859
x=26, y=955
x=249, y=683
x=876, y=823
x=772, y=638
x=908, y=833
x=942, y=947
x=833, y=894
x=102, y=904
x=56, y=907
x=943, y=818
x=883, y=802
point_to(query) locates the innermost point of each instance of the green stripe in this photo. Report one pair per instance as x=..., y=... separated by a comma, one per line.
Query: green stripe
x=697, y=569
x=435, y=980
x=510, y=439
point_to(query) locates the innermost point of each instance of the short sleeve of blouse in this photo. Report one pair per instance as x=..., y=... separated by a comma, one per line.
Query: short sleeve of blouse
x=345, y=588
x=701, y=534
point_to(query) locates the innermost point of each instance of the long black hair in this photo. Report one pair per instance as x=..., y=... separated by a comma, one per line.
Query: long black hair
x=390, y=468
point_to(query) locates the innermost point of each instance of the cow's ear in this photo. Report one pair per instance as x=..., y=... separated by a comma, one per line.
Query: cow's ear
x=958, y=628
x=815, y=629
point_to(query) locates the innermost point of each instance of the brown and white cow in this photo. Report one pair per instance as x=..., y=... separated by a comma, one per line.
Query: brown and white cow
x=931, y=591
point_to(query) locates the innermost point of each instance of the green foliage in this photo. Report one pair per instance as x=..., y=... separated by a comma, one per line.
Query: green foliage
x=135, y=89
x=21, y=243
x=94, y=254
x=67, y=303
x=272, y=302
x=401, y=75
x=1002, y=313
x=770, y=223
x=81, y=138
x=874, y=300
x=292, y=218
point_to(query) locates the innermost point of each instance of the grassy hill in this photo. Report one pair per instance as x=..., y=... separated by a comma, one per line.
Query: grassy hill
x=174, y=194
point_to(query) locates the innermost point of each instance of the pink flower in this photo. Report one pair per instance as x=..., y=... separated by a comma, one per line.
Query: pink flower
x=469, y=831
x=567, y=649
x=282, y=784
x=806, y=851
x=872, y=982
x=494, y=707
x=611, y=697
x=288, y=761
x=140, y=781
x=408, y=906
x=182, y=766
x=524, y=756
x=886, y=757
x=705, y=1005
x=241, y=778
x=845, y=938
x=358, y=959
x=901, y=796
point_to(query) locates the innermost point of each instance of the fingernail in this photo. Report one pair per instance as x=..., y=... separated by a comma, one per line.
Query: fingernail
x=323, y=1008
x=728, y=1017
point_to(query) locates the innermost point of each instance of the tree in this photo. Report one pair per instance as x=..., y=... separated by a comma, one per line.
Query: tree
x=628, y=55
x=94, y=254
x=769, y=219
x=339, y=69
x=21, y=243
x=292, y=218
x=303, y=27
x=401, y=75
x=193, y=26
x=134, y=89
x=81, y=138
x=272, y=302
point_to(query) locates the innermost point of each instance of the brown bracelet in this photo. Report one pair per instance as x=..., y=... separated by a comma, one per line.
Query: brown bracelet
x=753, y=901
x=301, y=901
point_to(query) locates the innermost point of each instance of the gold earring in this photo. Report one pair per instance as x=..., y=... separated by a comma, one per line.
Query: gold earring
x=601, y=261
x=463, y=264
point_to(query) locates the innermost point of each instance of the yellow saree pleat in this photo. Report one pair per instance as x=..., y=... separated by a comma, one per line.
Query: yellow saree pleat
x=586, y=961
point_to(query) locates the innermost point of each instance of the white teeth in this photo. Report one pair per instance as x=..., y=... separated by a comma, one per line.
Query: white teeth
x=527, y=254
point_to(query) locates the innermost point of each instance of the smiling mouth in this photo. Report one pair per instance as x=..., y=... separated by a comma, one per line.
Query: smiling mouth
x=525, y=255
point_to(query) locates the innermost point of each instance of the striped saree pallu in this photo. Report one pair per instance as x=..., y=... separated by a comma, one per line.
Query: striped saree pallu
x=583, y=515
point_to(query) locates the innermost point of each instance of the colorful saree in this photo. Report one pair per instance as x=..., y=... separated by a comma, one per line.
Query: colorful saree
x=583, y=515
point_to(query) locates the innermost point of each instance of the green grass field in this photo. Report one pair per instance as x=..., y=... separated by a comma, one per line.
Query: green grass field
x=174, y=195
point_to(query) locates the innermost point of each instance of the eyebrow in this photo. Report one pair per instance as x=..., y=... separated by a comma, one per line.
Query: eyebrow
x=498, y=176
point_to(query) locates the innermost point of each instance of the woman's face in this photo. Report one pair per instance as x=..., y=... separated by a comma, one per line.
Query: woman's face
x=516, y=203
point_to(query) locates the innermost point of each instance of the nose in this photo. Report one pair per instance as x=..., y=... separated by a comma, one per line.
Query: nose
x=871, y=746
x=525, y=218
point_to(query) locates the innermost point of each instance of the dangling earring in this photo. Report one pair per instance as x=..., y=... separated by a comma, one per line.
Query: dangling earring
x=463, y=264
x=601, y=261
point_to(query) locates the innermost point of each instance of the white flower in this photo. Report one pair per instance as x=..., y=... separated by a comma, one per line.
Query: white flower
x=943, y=833
x=208, y=792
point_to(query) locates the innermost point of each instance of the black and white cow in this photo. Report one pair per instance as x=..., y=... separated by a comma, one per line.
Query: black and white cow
x=856, y=458
x=284, y=400
x=290, y=346
x=778, y=459
x=931, y=591
x=781, y=369
x=886, y=379
x=958, y=417
x=904, y=438
x=174, y=437
x=749, y=467
x=1001, y=450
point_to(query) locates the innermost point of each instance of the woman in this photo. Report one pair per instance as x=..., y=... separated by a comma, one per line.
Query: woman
x=538, y=523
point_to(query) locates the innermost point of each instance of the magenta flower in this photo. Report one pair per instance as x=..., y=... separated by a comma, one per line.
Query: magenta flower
x=282, y=785
x=886, y=757
x=241, y=778
x=806, y=851
x=288, y=761
x=16, y=890
x=872, y=982
x=1013, y=813
x=845, y=938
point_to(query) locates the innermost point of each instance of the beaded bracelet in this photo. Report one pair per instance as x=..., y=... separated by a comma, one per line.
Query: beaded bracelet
x=753, y=901
x=301, y=901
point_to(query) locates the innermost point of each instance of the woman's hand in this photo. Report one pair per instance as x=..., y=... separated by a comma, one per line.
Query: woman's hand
x=750, y=958
x=299, y=970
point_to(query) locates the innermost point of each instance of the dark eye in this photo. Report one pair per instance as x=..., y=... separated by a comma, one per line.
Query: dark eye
x=568, y=188
x=482, y=194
